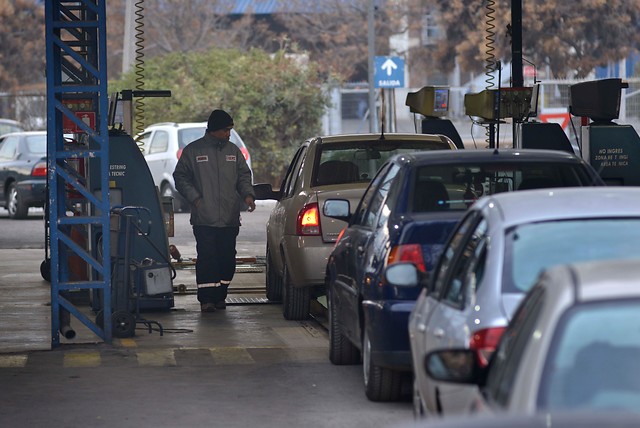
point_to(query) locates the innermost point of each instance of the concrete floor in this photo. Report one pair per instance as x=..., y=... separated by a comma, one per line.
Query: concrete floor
x=25, y=310
x=241, y=367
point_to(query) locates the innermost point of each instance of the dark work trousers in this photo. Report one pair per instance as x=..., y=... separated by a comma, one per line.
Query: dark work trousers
x=216, y=261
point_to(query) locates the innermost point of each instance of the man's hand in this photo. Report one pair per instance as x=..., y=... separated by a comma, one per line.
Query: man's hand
x=250, y=203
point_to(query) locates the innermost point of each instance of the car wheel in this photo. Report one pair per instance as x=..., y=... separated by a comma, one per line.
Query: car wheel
x=380, y=383
x=295, y=300
x=341, y=350
x=273, y=281
x=17, y=210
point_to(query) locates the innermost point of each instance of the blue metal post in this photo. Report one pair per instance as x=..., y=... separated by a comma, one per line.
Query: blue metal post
x=76, y=53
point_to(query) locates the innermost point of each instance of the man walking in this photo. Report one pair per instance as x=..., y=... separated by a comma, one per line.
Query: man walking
x=214, y=177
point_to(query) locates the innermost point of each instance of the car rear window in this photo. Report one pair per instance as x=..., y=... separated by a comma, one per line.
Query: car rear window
x=456, y=187
x=37, y=144
x=187, y=135
x=593, y=360
x=358, y=161
x=531, y=248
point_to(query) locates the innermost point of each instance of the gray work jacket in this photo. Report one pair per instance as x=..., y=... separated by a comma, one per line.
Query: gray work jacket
x=216, y=171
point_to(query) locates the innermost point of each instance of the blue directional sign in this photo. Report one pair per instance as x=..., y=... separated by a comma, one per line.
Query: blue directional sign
x=389, y=72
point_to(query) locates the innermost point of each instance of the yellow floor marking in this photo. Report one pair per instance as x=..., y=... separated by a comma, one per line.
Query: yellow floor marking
x=231, y=355
x=13, y=361
x=157, y=358
x=82, y=359
x=128, y=343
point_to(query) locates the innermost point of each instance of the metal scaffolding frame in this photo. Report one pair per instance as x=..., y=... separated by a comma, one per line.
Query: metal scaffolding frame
x=76, y=54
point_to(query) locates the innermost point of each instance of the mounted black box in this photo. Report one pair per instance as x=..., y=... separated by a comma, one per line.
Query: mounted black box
x=599, y=100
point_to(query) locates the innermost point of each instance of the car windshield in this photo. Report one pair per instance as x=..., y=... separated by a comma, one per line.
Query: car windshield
x=593, y=359
x=187, y=135
x=534, y=247
x=456, y=187
x=358, y=161
x=37, y=144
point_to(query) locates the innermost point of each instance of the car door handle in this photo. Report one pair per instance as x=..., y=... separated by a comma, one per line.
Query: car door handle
x=421, y=327
x=438, y=332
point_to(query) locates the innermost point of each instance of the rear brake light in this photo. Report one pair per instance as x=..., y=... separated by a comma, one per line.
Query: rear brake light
x=179, y=153
x=39, y=170
x=484, y=342
x=407, y=253
x=308, y=220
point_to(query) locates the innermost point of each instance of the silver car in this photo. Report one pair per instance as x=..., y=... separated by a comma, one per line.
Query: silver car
x=493, y=258
x=572, y=346
x=299, y=236
x=540, y=420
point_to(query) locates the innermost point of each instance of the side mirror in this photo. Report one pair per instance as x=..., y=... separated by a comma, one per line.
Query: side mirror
x=265, y=191
x=405, y=274
x=337, y=208
x=402, y=275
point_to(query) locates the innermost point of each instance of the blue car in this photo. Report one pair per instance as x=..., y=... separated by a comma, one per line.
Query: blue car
x=407, y=214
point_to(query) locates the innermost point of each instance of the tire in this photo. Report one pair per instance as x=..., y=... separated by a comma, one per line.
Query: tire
x=123, y=323
x=17, y=210
x=341, y=350
x=45, y=270
x=296, y=301
x=273, y=281
x=381, y=384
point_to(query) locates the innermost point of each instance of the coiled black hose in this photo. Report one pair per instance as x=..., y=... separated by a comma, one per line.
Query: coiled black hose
x=490, y=61
x=139, y=64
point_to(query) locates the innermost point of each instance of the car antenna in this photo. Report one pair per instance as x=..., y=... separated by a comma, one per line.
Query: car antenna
x=382, y=128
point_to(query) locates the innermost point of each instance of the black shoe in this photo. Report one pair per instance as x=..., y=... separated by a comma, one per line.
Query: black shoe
x=221, y=305
x=207, y=307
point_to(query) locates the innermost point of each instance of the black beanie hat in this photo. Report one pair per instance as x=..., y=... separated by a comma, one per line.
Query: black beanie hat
x=219, y=119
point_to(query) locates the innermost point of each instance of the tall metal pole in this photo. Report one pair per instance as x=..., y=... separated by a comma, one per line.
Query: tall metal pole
x=516, y=44
x=372, y=53
x=517, y=76
x=128, y=48
x=76, y=53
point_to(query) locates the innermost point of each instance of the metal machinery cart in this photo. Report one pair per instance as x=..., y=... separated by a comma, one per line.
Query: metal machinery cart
x=134, y=279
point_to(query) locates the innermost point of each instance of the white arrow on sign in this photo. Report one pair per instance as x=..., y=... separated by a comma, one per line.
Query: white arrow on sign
x=389, y=66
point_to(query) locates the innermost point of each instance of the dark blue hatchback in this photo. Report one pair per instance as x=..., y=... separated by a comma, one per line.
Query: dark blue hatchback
x=406, y=214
